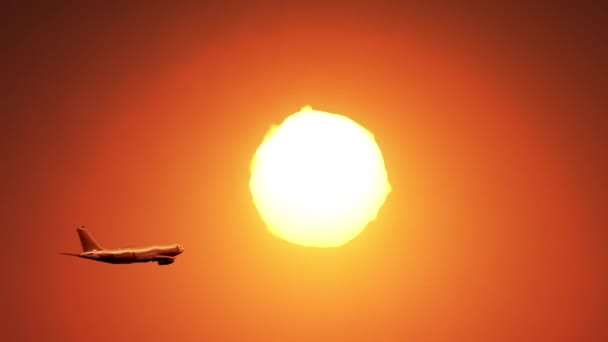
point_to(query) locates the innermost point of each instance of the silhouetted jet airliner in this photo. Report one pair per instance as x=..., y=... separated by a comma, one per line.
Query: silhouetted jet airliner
x=164, y=255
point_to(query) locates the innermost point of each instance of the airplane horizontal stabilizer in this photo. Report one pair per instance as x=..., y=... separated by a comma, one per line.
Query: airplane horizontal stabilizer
x=71, y=254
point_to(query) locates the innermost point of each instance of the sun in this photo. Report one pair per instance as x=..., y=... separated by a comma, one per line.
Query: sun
x=318, y=179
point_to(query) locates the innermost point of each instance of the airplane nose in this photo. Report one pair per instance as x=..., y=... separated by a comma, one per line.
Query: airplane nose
x=181, y=248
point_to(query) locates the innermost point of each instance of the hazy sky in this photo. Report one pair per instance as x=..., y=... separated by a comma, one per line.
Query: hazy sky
x=139, y=121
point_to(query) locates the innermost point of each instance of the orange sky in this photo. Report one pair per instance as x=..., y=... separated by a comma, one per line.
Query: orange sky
x=140, y=120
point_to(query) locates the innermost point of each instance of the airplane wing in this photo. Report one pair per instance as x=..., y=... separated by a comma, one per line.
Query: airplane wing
x=164, y=260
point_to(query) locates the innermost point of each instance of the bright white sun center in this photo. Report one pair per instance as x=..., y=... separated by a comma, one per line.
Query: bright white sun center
x=318, y=179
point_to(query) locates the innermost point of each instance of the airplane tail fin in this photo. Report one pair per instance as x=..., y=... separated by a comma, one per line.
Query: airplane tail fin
x=87, y=241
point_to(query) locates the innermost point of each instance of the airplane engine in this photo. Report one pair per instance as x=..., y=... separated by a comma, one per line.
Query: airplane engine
x=165, y=262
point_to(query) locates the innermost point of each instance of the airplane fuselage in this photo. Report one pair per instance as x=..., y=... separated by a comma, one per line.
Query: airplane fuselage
x=164, y=255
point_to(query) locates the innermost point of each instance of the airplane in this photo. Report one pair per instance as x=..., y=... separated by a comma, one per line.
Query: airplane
x=163, y=255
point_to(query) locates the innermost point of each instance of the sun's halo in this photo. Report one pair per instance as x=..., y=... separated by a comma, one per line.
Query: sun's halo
x=318, y=179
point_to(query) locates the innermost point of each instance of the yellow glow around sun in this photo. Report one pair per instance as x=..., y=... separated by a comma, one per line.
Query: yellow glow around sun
x=318, y=179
